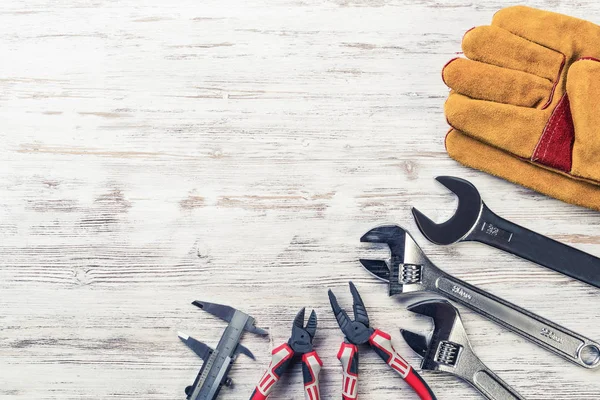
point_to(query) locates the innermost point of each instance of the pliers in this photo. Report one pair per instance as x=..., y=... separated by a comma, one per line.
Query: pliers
x=299, y=345
x=358, y=332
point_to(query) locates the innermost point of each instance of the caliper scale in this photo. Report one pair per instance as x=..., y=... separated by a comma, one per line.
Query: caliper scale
x=218, y=362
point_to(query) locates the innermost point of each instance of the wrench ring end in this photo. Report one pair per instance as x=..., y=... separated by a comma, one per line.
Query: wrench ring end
x=589, y=355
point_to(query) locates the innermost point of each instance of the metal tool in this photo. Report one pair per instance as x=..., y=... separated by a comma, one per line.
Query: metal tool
x=473, y=221
x=218, y=362
x=449, y=351
x=409, y=270
x=359, y=332
x=299, y=345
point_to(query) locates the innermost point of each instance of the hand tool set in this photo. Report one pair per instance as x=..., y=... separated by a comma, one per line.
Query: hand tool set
x=521, y=107
x=406, y=271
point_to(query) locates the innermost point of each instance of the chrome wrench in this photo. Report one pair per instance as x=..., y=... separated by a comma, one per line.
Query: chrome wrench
x=449, y=350
x=409, y=270
x=474, y=221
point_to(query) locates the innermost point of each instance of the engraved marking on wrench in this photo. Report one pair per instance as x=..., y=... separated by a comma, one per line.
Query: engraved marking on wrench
x=545, y=332
x=551, y=335
x=496, y=232
x=461, y=292
x=559, y=341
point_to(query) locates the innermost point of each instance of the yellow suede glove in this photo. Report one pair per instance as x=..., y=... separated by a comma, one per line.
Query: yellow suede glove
x=524, y=105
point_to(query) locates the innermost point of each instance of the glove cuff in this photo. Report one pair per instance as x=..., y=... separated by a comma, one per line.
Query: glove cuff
x=475, y=154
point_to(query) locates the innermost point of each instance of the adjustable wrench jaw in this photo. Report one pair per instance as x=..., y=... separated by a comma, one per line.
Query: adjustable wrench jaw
x=407, y=270
x=448, y=348
x=469, y=211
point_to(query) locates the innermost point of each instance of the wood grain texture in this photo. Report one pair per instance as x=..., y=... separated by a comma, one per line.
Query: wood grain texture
x=154, y=153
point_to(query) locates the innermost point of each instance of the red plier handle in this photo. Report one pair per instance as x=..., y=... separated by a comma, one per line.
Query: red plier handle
x=382, y=345
x=348, y=356
x=281, y=360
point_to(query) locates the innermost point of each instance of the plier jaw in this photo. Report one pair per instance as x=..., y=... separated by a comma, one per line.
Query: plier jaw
x=298, y=346
x=302, y=336
x=358, y=331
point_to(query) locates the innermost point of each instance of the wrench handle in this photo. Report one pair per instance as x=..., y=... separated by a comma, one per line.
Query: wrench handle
x=491, y=386
x=545, y=333
x=510, y=237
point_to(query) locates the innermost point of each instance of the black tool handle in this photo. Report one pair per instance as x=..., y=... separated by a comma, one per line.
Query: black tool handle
x=505, y=235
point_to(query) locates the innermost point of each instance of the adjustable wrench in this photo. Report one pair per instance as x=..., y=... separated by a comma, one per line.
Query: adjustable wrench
x=473, y=221
x=409, y=270
x=449, y=350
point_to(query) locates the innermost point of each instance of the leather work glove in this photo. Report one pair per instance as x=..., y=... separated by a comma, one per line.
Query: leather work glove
x=525, y=103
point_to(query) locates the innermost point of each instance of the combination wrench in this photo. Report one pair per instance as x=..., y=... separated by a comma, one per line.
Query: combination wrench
x=474, y=221
x=409, y=270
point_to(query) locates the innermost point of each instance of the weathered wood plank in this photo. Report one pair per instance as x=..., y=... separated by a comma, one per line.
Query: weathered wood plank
x=235, y=152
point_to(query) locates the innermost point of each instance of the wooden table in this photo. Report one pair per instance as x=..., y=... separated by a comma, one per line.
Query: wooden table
x=154, y=153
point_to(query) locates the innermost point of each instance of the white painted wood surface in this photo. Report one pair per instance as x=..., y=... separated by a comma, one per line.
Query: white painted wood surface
x=154, y=153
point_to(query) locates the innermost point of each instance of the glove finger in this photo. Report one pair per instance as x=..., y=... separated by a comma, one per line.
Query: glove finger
x=493, y=45
x=571, y=36
x=512, y=128
x=583, y=87
x=502, y=85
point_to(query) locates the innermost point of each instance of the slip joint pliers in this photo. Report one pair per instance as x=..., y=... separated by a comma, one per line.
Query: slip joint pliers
x=359, y=332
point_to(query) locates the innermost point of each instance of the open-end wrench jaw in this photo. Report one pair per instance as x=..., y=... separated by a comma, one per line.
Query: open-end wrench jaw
x=464, y=219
